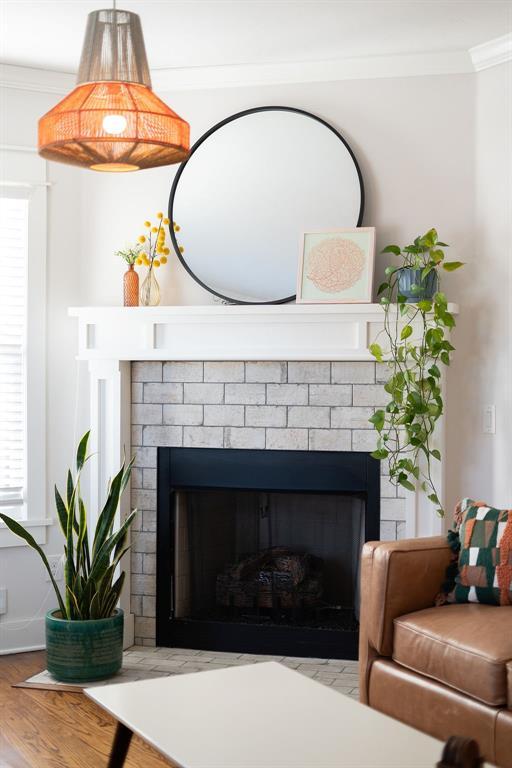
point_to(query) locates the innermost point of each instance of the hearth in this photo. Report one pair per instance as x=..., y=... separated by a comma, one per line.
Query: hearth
x=258, y=551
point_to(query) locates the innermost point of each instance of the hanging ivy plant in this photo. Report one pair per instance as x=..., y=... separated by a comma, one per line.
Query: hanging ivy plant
x=416, y=349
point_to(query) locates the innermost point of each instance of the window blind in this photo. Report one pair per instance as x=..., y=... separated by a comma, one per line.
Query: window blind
x=14, y=212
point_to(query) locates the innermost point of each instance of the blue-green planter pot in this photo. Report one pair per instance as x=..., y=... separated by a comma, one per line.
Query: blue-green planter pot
x=413, y=287
x=83, y=651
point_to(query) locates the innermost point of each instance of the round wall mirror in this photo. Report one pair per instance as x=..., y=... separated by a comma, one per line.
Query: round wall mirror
x=250, y=187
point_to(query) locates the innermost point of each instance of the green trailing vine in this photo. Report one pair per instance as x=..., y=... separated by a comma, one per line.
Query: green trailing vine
x=415, y=352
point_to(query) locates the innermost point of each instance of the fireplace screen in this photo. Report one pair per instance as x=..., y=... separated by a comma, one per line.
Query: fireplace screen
x=267, y=557
x=259, y=551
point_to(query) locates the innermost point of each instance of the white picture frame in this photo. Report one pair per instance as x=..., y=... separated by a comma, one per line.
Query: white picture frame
x=336, y=266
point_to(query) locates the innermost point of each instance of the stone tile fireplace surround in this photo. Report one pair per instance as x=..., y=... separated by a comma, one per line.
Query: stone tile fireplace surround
x=237, y=377
x=271, y=405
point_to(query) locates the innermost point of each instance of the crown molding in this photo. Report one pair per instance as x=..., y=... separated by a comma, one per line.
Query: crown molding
x=492, y=53
x=480, y=57
x=235, y=76
x=38, y=80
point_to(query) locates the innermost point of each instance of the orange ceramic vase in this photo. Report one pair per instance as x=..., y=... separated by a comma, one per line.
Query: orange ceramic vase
x=131, y=288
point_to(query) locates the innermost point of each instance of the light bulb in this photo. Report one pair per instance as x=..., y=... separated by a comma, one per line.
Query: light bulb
x=114, y=124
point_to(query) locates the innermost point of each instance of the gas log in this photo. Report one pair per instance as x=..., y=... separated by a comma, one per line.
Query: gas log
x=272, y=578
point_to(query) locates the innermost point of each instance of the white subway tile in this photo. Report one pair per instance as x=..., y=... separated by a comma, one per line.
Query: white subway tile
x=287, y=439
x=183, y=414
x=309, y=416
x=330, y=394
x=265, y=415
x=145, y=457
x=329, y=440
x=227, y=371
x=309, y=373
x=149, y=479
x=143, y=584
x=145, y=627
x=355, y=417
x=223, y=415
x=244, y=437
x=364, y=440
x=143, y=542
x=163, y=436
x=163, y=393
x=143, y=499
x=266, y=372
x=137, y=393
x=245, y=394
x=146, y=414
x=147, y=371
x=287, y=394
x=387, y=530
x=136, y=435
x=183, y=371
x=203, y=437
x=370, y=394
x=392, y=509
x=204, y=393
x=149, y=607
x=345, y=372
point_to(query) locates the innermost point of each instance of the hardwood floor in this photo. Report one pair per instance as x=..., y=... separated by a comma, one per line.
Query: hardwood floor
x=52, y=729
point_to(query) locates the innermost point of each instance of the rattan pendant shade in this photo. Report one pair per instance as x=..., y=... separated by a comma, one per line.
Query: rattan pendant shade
x=112, y=120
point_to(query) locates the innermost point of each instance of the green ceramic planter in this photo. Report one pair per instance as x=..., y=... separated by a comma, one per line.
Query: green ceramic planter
x=83, y=651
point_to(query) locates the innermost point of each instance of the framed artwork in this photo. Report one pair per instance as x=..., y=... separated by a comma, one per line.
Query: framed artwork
x=336, y=266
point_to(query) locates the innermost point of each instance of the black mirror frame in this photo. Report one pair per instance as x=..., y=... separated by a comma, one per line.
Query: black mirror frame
x=196, y=146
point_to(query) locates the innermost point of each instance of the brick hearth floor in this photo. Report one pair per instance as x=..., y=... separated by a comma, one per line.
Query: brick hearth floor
x=339, y=674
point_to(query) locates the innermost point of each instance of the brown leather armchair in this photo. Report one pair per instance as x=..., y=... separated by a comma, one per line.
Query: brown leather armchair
x=444, y=670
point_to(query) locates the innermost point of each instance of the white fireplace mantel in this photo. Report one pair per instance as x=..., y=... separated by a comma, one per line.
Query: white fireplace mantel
x=227, y=332
x=111, y=337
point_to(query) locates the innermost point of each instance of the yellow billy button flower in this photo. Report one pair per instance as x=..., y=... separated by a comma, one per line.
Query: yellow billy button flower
x=163, y=260
x=159, y=215
x=166, y=251
x=159, y=249
x=181, y=249
x=156, y=263
x=177, y=227
x=166, y=221
x=142, y=239
x=154, y=229
x=140, y=262
x=147, y=223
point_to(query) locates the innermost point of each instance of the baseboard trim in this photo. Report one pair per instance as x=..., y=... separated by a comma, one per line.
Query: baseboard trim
x=22, y=635
x=23, y=649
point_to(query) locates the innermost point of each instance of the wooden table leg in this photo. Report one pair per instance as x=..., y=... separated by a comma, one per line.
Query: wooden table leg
x=119, y=750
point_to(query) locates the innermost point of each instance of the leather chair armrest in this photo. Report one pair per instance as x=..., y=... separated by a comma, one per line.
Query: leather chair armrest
x=397, y=577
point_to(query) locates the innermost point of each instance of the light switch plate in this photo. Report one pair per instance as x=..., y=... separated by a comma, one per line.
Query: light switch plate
x=489, y=419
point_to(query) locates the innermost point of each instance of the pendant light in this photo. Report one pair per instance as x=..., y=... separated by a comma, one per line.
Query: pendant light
x=112, y=120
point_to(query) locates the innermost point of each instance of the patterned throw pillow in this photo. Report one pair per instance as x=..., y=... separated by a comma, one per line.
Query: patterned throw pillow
x=481, y=571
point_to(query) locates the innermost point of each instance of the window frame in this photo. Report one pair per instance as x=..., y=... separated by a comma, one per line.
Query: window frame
x=25, y=172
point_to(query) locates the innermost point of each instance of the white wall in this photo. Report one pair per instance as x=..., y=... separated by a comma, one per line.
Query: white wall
x=28, y=592
x=411, y=166
x=433, y=152
x=480, y=465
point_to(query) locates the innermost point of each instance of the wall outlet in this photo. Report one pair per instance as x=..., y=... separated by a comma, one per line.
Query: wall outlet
x=56, y=566
x=3, y=600
x=489, y=420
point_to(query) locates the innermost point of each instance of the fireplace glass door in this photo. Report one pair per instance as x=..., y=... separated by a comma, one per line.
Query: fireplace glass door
x=268, y=558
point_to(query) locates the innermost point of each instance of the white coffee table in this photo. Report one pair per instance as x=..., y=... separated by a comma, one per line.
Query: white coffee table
x=258, y=716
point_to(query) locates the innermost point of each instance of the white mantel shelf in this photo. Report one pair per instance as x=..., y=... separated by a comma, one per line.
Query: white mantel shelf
x=230, y=332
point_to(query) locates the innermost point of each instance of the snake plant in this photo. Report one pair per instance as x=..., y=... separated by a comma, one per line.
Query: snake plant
x=90, y=566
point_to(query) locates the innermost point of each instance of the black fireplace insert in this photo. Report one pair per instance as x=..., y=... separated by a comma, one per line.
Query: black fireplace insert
x=258, y=551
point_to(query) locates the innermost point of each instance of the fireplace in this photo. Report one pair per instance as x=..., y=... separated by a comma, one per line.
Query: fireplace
x=258, y=551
